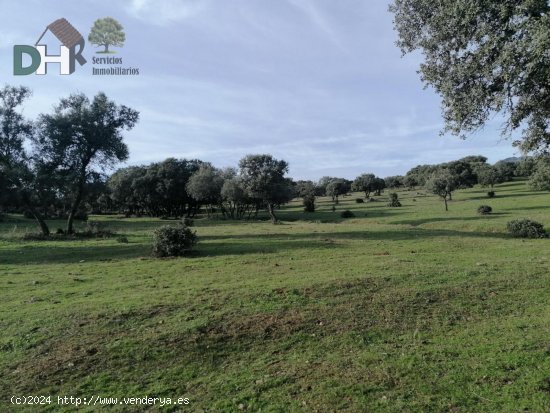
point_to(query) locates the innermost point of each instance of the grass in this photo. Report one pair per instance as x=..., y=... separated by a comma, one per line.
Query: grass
x=407, y=309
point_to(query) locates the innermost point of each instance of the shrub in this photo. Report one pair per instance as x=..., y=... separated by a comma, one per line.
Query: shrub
x=484, y=209
x=169, y=241
x=122, y=239
x=491, y=194
x=59, y=231
x=187, y=222
x=525, y=228
x=359, y=200
x=94, y=229
x=347, y=214
x=394, y=200
x=309, y=203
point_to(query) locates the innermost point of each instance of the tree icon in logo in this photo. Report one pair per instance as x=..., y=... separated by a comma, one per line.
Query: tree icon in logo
x=107, y=32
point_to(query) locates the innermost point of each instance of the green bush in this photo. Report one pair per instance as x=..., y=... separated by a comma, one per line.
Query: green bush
x=122, y=239
x=394, y=200
x=309, y=203
x=169, y=241
x=484, y=209
x=359, y=200
x=525, y=228
x=347, y=214
x=491, y=194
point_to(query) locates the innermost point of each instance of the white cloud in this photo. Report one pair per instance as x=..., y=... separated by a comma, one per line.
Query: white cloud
x=161, y=12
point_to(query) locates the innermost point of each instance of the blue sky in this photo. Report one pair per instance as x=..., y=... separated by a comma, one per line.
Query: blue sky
x=319, y=83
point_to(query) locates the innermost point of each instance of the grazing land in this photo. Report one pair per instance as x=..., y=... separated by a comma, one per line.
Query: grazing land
x=404, y=309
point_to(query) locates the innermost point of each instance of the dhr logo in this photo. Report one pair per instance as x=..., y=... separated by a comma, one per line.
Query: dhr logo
x=71, y=48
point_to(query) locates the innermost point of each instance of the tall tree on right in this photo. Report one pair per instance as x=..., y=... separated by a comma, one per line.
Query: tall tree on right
x=484, y=57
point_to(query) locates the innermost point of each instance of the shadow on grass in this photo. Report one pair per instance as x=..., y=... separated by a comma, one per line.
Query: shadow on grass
x=49, y=253
x=514, y=195
x=220, y=245
x=417, y=222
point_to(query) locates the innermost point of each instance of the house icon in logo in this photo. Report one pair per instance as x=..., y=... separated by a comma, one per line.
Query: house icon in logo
x=70, y=50
x=72, y=45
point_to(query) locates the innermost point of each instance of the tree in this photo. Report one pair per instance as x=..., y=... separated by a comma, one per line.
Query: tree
x=506, y=169
x=540, y=180
x=526, y=166
x=410, y=181
x=335, y=188
x=80, y=136
x=322, y=185
x=263, y=178
x=205, y=186
x=107, y=32
x=378, y=186
x=489, y=176
x=394, y=181
x=306, y=191
x=464, y=172
x=18, y=169
x=442, y=183
x=484, y=57
x=364, y=183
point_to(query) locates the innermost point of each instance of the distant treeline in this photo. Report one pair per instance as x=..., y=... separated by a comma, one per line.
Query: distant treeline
x=54, y=167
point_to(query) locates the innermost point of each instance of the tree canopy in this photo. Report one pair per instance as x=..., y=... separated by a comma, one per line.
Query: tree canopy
x=81, y=135
x=484, y=57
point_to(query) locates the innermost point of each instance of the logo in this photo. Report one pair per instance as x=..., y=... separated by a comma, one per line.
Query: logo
x=70, y=51
x=106, y=33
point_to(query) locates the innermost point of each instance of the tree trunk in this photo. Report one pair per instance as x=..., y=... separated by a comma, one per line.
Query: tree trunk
x=106, y=48
x=40, y=220
x=37, y=216
x=74, y=207
x=271, y=213
x=446, y=207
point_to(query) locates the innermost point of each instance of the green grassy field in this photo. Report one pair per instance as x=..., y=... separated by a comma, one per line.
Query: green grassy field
x=409, y=309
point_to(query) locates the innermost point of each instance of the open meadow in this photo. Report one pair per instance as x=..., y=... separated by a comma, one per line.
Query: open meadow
x=409, y=309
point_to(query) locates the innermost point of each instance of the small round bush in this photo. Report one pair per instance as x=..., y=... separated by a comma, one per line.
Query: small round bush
x=491, y=194
x=484, y=209
x=525, y=228
x=122, y=239
x=169, y=241
x=347, y=214
x=359, y=200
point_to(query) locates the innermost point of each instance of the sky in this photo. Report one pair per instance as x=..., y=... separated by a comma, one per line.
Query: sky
x=319, y=83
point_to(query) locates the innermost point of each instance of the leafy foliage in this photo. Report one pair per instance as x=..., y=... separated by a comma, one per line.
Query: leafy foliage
x=394, y=200
x=483, y=57
x=484, y=210
x=540, y=180
x=263, y=178
x=347, y=214
x=443, y=183
x=170, y=241
x=525, y=228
